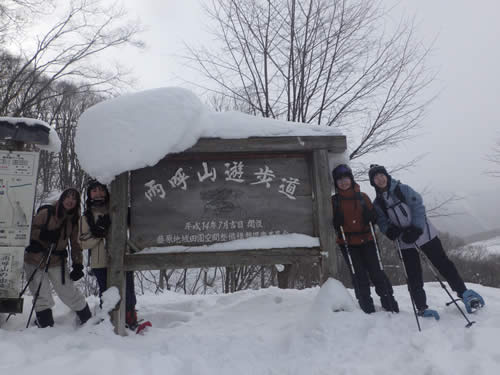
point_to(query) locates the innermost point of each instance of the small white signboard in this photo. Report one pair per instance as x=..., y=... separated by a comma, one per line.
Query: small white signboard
x=18, y=172
x=11, y=265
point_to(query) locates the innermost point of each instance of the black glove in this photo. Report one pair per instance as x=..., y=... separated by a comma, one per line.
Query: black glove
x=50, y=236
x=369, y=216
x=77, y=272
x=101, y=226
x=411, y=234
x=393, y=232
x=338, y=220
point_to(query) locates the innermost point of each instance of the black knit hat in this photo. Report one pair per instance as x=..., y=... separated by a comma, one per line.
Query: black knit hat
x=342, y=170
x=375, y=169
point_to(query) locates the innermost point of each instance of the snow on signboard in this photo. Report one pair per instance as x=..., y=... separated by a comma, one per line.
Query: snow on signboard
x=137, y=130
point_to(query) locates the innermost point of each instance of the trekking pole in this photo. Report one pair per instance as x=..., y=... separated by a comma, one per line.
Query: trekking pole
x=438, y=279
x=28, y=283
x=46, y=270
x=346, y=246
x=408, y=283
x=349, y=261
x=381, y=266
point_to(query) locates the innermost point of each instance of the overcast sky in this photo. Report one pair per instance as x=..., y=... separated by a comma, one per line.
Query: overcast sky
x=461, y=125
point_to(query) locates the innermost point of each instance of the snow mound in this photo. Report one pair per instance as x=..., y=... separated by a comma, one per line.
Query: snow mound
x=137, y=130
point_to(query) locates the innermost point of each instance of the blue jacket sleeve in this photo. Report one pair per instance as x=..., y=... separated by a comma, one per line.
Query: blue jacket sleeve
x=416, y=204
x=382, y=221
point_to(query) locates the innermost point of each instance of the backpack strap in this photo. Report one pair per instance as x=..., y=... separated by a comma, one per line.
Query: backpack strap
x=399, y=194
x=337, y=212
x=357, y=196
x=381, y=201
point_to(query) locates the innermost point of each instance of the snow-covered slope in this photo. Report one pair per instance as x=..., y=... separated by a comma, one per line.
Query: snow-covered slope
x=269, y=331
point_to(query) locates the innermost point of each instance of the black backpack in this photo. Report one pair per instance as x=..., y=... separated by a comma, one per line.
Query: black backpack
x=51, y=210
x=35, y=246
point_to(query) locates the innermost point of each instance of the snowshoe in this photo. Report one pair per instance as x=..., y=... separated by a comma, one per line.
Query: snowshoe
x=472, y=301
x=142, y=327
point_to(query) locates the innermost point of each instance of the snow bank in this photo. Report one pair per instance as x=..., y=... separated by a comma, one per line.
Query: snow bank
x=137, y=130
x=268, y=331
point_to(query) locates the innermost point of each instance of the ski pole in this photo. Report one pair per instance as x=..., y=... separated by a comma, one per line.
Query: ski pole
x=350, y=263
x=347, y=251
x=438, y=279
x=46, y=270
x=408, y=283
x=28, y=283
x=381, y=266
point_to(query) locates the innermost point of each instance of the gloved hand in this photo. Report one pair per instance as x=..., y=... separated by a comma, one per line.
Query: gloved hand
x=472, y=300
x=77, y=272
x=370, y=216
x=51, y=236
x=411, y=234
x=393, y=232
x=338, y=220
x=429, y=313
x=102, y=224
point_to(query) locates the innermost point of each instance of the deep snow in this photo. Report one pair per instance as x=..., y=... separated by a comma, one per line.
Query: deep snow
x=268, y=331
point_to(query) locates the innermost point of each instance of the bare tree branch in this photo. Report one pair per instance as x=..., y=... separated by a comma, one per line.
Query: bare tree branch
x=318, y=62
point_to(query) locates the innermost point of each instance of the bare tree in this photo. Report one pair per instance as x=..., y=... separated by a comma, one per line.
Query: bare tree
x=65, y=51
x=51, y=74
x=320, y=62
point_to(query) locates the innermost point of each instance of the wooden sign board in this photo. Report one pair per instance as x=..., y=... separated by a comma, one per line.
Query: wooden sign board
x=208, y=198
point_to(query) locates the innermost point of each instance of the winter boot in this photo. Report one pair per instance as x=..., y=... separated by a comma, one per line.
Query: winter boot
x=366, y=304
x=472, y=300
x=389, y=304
x=131, y=319
x=84, y=314
x=44, y=318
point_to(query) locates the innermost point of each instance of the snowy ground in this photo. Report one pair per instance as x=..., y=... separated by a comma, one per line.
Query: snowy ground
x=269, y=331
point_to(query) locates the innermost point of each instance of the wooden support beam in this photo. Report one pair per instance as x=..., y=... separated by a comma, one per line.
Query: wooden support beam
x=117, y=244
x=323, y=213
x=158, y=261
x=335, y=144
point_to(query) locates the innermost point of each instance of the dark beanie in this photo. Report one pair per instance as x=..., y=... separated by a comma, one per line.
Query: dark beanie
x=375, y=169
x=342, y=170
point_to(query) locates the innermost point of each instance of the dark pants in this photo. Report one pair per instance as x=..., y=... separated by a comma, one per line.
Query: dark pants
x=102, y=277
x=366, y=267
x=435, y=253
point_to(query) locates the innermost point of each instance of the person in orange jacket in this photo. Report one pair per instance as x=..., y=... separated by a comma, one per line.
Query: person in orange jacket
x=352, y=212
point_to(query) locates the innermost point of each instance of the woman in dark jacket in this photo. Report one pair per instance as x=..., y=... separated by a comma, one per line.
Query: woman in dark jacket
x=53, y=227
x=352, y=213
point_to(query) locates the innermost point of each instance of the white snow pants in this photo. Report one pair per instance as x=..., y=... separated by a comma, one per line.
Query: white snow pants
x=67, y=292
